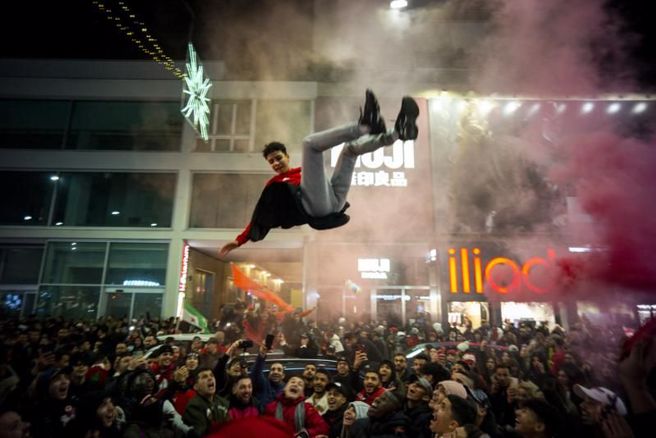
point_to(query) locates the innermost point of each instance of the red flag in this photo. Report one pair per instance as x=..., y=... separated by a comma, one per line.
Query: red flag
x=242, y=281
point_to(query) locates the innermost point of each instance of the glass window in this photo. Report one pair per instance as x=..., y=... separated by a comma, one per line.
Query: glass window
x=118, y=304
x=26, y=197
x=105, y=125
x=20, y=264
x=224, y=200
x=137, y=264
x=287, y=121
x=33, y=124
x=73, y=302
x=74, y=263
x=115, y=199
x=230, y=127
x=144, y=304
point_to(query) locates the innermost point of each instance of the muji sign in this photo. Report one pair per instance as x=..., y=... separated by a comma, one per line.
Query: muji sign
x=468, y=273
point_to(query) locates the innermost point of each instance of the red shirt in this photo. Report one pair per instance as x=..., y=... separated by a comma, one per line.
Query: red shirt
x=369, y=398
x=292, y=176
x=314, y=423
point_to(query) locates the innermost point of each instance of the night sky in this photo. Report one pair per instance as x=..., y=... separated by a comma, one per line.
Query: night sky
x=76, y=29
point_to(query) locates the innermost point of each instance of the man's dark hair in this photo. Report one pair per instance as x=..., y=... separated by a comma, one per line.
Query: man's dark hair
x=374, y=371
x=200, y=370
x=322, y=370
x=436, y=370
x=546, y=413
x=462, y=410
x=423, y=356
x=279, y=363
x=502, y=365
x=273, y=147
x=399, y=354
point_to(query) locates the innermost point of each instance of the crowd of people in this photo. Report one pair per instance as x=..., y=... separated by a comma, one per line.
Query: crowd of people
x=130, y=378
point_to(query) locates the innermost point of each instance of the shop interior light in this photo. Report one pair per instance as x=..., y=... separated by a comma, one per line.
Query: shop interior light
x=511, y=107
x=614, y=108
x=59, y=224
x=54, y=178
x=154, y=224
x=278, y=281
x=579, y=249
x=115, y=213
x=398, y=4
x=587, y=108
x=27, y=218
x=640, y=107
x=533, y=109
x=73, y=243
x=561, y=108
x=485, y=106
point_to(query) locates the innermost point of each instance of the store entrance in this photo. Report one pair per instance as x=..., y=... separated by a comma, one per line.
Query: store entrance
x=402, y=303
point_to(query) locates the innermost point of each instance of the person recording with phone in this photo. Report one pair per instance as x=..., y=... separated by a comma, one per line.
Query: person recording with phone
x=231, y=366
x=267, y=388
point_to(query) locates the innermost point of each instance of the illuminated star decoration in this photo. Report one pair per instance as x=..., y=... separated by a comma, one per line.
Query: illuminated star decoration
x=196, y=87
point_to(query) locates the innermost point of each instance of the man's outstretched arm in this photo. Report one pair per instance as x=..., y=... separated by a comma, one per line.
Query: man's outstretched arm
x=239, y=241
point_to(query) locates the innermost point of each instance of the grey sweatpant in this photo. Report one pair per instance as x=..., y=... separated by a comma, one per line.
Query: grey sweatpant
x=321, y=196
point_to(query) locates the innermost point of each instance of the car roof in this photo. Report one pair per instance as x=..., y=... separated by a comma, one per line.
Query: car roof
x=473, y=346
x=186, y=336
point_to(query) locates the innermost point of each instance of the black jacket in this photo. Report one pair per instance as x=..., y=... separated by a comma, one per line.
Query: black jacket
x=280, y=206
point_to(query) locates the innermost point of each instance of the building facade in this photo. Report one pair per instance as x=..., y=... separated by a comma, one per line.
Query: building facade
x=114, y=206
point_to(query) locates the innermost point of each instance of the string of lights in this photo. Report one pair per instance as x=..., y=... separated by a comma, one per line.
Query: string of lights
x=119, y=14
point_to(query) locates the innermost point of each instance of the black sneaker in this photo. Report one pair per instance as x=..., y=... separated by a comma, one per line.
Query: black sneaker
x=370, y=115
x=405, y=124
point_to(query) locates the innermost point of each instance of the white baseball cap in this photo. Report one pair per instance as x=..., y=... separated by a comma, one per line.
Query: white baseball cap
x=602, y=395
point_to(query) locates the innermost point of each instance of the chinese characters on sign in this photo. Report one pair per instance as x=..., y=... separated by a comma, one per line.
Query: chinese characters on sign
x=382, y=170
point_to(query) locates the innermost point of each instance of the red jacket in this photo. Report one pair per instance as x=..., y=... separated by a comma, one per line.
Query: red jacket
x=314, y=423
x=369, y=399
x=293, y=177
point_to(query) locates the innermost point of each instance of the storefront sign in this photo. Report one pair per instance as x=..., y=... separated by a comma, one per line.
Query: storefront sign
x=182, y=282
x=383, y=170
x=463, y=263
x=374, y=268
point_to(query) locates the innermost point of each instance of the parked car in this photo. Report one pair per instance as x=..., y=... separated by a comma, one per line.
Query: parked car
x=294, y=366
x=182, y=340
x=411, y=353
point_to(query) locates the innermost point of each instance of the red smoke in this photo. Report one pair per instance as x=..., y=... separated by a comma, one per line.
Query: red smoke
x=615, y=181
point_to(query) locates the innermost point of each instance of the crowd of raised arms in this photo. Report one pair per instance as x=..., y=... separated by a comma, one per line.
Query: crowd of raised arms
x=133, y=378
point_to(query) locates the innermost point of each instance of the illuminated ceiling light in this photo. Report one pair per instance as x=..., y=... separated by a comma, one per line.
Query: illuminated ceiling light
x=115, y=213
x=58, y=224
x=511, y=107
x=561, y=108
x=74, y=248
x=639, y=108
x=398, y=4
x=587, y=107
x=579, y=249
x=154, y=224
x=485, y=106
x=73, y=243
x=614, y=108
x=278, y=281
x=533, y=109
x=54, y=178
x=27, y=218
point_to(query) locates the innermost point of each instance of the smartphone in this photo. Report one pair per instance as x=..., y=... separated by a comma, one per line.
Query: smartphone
x=268, y=343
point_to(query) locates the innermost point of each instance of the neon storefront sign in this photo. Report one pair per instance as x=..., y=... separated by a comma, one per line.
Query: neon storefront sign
x=468, y=273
